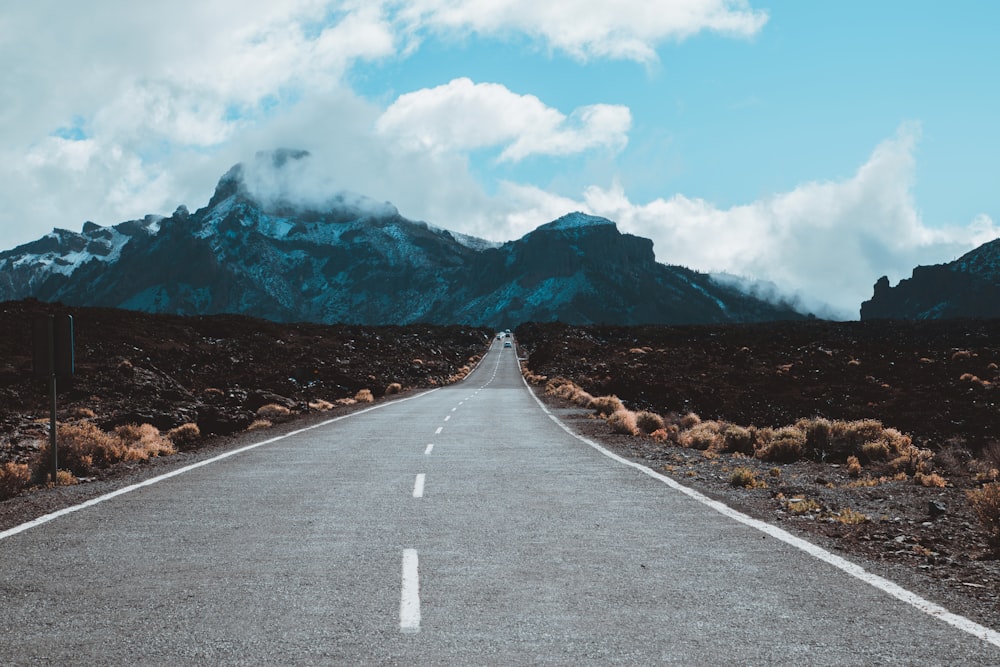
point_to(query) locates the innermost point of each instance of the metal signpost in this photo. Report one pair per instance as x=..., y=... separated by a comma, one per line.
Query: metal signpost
x=52, y=357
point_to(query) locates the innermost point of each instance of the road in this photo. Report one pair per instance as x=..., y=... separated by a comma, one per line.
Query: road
x=463, y=526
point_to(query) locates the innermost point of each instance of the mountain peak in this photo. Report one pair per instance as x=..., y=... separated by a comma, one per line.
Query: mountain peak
x=576, y=221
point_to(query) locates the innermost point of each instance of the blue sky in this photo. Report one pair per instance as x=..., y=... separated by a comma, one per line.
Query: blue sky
x=815, y=145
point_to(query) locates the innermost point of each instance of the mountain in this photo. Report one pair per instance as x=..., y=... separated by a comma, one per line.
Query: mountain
x=260, y=249
x=966, y=287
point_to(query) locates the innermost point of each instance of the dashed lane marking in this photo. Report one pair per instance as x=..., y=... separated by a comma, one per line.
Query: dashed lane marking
x=429, y=449
x=439, y=429
x=418, y=486
x=409, y=598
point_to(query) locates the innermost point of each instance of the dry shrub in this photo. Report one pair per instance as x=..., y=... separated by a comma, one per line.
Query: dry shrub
x=706, y=435
x=259, y=424
x=344, y=402
x=185, y=436
x=739, y=439
x=784, y=446
x=746, y=478
x=274, y=413
x=853, y=466
x=364, y=396
x=393, y=388
x=14, y=477
x=986, y=504
x=849, y=516
x=319, y=405
x=84, y=447
x=648, y=422
x=690, y=420
x=212, y=393
x=913, y=460
x=961, y=354
x=65, y=478
x=143, y=442
x=623, y=421
x=533, y=378
x=82, y=413
x=606, y=405
x=931, y=480
x=666, y=434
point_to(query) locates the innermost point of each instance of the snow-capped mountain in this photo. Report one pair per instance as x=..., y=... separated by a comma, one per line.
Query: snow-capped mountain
x=347, y=258
x=966, y=287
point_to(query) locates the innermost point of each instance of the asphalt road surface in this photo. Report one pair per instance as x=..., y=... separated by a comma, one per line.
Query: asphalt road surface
x=462, y=526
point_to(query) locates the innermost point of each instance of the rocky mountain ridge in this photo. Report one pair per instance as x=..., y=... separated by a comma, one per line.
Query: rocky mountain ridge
x=347, y=258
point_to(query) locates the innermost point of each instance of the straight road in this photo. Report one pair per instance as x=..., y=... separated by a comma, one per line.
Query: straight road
x=463, y=526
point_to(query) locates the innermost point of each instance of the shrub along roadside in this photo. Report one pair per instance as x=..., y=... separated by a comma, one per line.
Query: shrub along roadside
x=858, y=443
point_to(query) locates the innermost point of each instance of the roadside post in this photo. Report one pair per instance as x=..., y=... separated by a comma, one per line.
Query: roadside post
x=52, y=358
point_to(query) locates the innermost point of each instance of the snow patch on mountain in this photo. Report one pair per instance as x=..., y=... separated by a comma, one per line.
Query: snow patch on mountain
x=575, y=221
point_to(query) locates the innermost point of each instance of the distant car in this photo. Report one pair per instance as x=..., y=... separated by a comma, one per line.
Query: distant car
x=507, y=344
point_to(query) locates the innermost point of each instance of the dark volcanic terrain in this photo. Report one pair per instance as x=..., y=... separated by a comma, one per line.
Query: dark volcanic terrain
x=935, y=381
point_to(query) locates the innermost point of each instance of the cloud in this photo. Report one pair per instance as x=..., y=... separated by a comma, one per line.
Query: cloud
x=463, y=116
x=824, y=242
x=626, y=29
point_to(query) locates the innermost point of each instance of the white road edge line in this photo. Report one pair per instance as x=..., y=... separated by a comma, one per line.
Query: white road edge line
x=418, y=486
x=895, y=590
x=409, y=597
x=429, y=449
x=10, y=532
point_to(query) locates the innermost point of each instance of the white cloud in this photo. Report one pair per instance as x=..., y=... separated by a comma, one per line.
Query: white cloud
x=463, y=116
x=625, y=29
x=825, y=242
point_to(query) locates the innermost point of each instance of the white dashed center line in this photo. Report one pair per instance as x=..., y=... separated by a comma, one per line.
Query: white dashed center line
x=409, y=599
x=447, y=418
x=418, y=486
x=439, y=429
x=430, y=447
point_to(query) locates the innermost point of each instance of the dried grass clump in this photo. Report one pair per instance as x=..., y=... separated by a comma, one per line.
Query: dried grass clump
x=364, y=396
x=853, y=466
x=739, y=439
x=931, y=480
x=65, y=478
x=84, y=447
x=274, y=413
x=82, y=413
x=259, y=424
x=534, y=379
x=344, y=402
x=569, y=391
x=648, y=422
x=14, y=477
x=784, y=446
x=666, y=434
x=705, y=435
x=606, y=405
x=746, y=478
x=623, y=421
x=393, y=388
x=319, y=405
x=849, y=516
x=185, y=436
x=143, y=442
x=986, y=504
x=690, y=420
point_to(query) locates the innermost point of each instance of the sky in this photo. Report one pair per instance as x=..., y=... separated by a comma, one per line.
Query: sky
x=811, y=146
